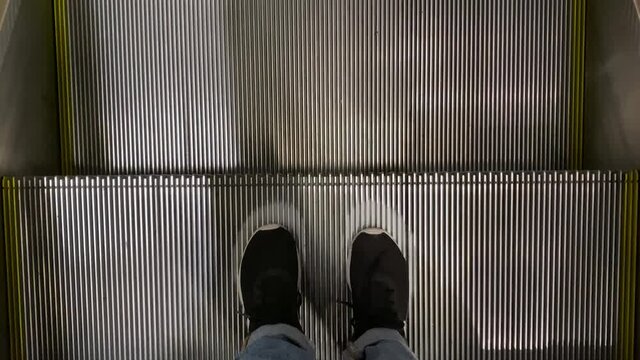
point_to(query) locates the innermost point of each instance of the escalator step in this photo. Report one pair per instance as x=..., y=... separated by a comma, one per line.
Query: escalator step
x=518, y=264
x=246, y=86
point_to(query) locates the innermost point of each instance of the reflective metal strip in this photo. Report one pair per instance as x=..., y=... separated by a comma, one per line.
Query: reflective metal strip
x=315, y=87
x=501, y=264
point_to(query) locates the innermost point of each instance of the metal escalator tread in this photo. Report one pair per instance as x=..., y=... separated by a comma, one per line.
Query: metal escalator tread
x=288, y=86
x=500, y=263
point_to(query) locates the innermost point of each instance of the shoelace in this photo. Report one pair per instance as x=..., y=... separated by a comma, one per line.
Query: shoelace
x=389, y=317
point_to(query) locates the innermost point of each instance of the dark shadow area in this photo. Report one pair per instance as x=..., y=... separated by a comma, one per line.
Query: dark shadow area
x=29, y=129
x=29, y=135
x=254, y=83
x=636, y=341
x=88, y=133
x=612, y=109
x=4, y=290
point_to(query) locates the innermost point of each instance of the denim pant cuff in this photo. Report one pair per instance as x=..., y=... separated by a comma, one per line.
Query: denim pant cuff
x=294, y=335
x=355, y=350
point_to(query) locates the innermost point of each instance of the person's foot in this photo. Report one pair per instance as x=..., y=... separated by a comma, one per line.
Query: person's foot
x=379, y=282
x=269, y=278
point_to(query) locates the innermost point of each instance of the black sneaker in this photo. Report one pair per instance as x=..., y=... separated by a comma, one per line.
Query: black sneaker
x=269, y=278
x=379, y=283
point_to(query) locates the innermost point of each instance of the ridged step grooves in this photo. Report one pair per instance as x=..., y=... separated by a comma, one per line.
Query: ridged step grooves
x=288, y=86
x=510, y=264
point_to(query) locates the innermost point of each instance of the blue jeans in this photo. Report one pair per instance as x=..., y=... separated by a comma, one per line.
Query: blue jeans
x=280, y=342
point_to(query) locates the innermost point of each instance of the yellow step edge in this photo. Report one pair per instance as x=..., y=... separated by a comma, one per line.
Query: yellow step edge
x=628, y=252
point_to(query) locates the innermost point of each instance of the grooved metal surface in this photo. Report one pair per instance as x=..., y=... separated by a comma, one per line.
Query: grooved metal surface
x=157, y=86
x=509, y=264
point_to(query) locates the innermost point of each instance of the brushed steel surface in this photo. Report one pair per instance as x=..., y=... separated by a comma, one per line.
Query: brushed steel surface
x=501, y=264
x=155, y=86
